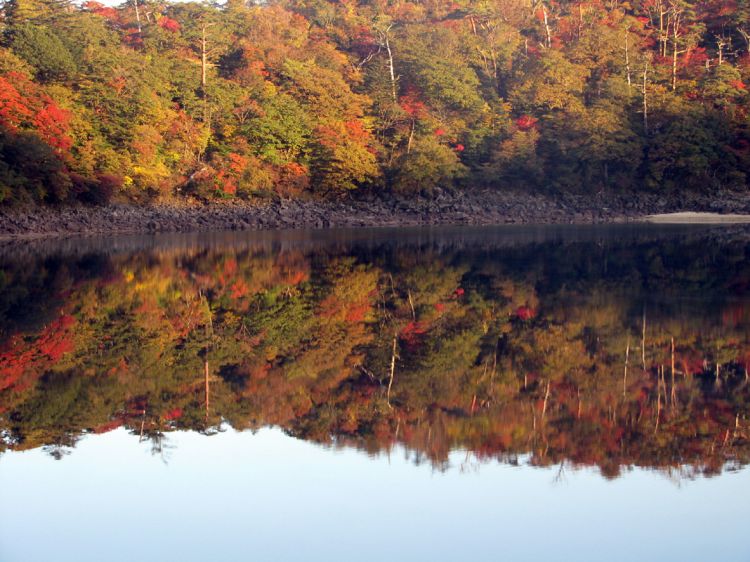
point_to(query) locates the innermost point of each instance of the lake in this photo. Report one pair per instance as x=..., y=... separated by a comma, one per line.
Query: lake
x=520, y=393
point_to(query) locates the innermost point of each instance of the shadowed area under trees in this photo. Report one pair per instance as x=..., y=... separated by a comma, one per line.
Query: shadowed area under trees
x=298, y=98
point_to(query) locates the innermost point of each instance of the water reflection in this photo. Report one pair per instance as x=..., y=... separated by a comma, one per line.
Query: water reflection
x=608, y=348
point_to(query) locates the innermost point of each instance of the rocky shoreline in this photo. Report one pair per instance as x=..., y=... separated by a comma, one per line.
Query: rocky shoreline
x=475, y=207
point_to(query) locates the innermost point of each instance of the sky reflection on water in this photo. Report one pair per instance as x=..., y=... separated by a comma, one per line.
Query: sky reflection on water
x=267, y=496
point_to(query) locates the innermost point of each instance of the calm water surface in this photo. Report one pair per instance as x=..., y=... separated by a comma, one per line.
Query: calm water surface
x=451, y=394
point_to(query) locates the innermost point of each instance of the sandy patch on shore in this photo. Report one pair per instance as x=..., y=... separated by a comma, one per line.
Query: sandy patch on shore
x=697, y=218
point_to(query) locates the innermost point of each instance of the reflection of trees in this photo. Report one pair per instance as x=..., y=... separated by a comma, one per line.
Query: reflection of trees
x=159, y=444
x=56, y=451
x=580, y=354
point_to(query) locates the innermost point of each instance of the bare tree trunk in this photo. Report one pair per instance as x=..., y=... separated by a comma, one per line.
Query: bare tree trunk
x=547, y=31
x=645, y=124
x=627, y=60
x=394, y=355
x=672, y=340
x=546, y=400
x=746, y=37
x=494, y=367
x=411, y=137
x=643, y=340
x=675, y=49
x=658, y=399
x=204, y=72
x=673, y=392
x=209, y=338
x=387, y=43
x=663, y=33
x=207, y=386
x=137, y=16
x=484, y=61
x=674, y=68
x=143, y=423
x=204, y=59
x=625, y=374
x=721, y=42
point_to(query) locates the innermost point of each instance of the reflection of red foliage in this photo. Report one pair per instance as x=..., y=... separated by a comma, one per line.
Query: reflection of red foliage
x=297, y=277
x=18, y=357
x=173, y=414
x=412, y=334
x=54, y=341
x=239, y=289
x=743, y=359
x=741, y=148
x=525, y=313
x=735, y=314
x=357, y=312
x=352, y=312
x=109, y=426
x=526, y=122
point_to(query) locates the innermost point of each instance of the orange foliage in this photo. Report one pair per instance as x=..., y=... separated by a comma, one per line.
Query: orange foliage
x=169, y=24
x=412, y=105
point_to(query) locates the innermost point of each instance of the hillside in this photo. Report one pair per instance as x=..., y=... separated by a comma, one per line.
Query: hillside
x=315, y=98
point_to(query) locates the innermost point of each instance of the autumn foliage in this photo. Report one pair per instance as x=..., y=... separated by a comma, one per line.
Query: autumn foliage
x=491, y=353
x=231, y=101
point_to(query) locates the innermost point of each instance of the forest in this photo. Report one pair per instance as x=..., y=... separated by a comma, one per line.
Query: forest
x=154, y=100
x=610, y=355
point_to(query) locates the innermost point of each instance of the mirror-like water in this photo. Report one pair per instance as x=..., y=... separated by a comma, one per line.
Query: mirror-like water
x=412, y=394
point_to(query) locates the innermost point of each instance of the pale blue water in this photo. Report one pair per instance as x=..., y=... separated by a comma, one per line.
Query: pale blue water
x=267, y=496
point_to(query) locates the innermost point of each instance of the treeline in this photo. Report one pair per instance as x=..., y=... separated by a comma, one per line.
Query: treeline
x=287, y=97
x=596, y=355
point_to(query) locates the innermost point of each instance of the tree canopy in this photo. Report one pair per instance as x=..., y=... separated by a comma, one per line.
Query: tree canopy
x=153, y=99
